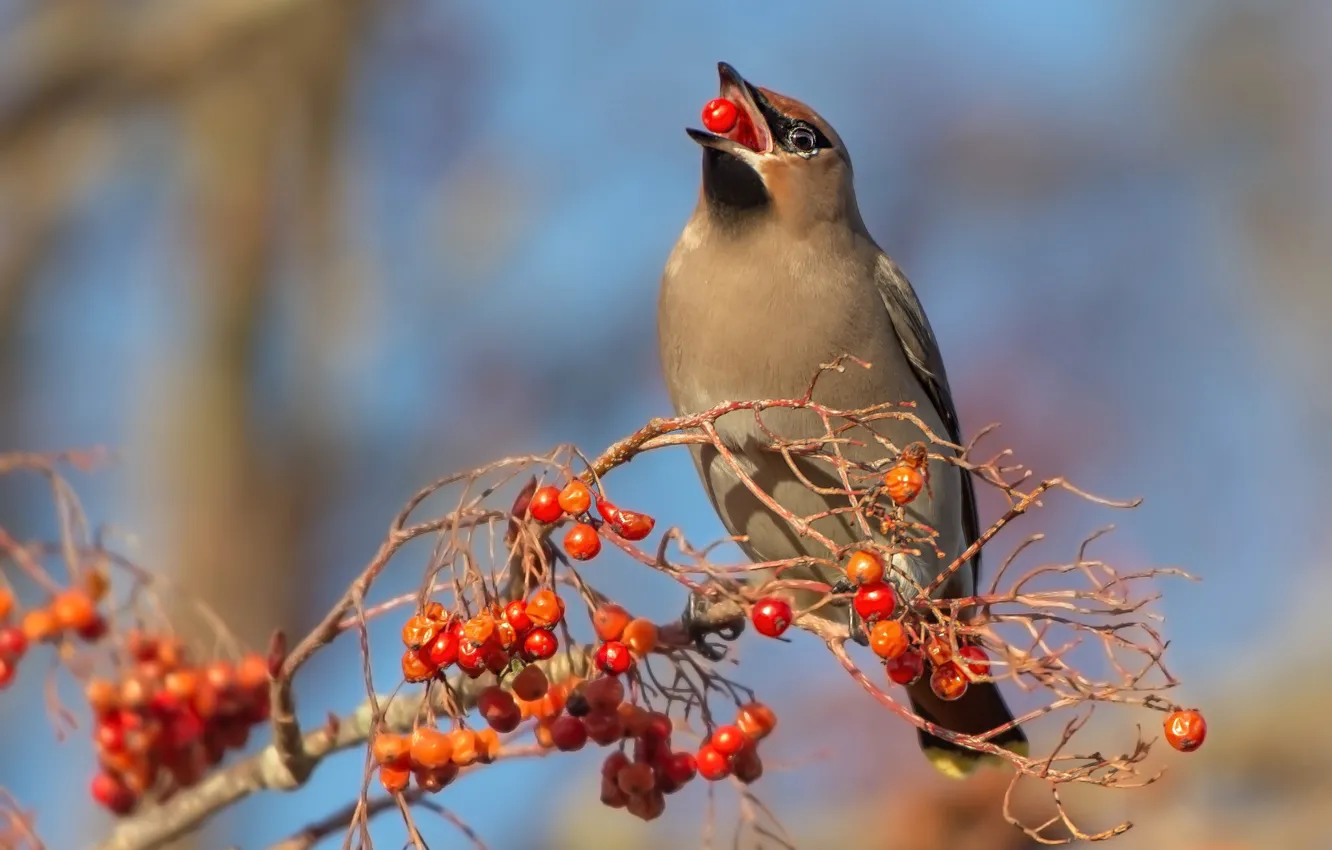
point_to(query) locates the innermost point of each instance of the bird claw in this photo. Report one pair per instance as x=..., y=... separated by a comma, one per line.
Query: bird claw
x=693, y=621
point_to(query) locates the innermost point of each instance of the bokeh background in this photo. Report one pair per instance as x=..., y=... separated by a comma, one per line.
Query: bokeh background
x=295, y=258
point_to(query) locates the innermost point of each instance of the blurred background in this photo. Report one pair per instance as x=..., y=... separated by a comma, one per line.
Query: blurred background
x=295, y=259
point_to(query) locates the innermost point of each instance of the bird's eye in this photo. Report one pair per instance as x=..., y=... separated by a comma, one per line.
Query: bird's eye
x=802, y=138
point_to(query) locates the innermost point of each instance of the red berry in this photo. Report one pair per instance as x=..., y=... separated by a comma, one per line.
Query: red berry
x=875, y=602
x=471, y=658
x=443, y=651
x=8, y=670
x=728, y=740
x=614, y=763
x=13, y=643
x=613, y=658
x=545, y=505
x=575, y=498
x=1186, y=729
x=712, y=765
x=604, y=727
x=636, y=778
x=494, y=656
x=720, y=115
x=497, y=707
x=607, y=509
x=976, y=660
x=948, y=682
x=772, y=616
x=657, y=727
x=540, y=644
x=906, y=668
x=515, y=614
x=113, y=794
x=568, y=733
x=632, y=525
x=582, y=542
x=679, y=769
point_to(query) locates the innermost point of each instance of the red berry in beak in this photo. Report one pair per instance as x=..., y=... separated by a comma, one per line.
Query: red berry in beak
x=720, y=116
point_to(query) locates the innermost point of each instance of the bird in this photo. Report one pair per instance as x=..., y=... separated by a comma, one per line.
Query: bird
x=775, y=276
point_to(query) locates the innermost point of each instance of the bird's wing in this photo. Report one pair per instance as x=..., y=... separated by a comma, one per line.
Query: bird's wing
x=922, y=352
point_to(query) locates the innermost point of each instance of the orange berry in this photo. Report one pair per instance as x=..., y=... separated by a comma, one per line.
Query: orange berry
x=487, y=745
x=938, y=651
x=864, y=568
x=74, y=610
x=903, y=483
x=415, y=668
x=948, y=682
x=394, y=779
x=544, y=738
x=531, y=684
x=40, y=624
x=430, y=748
x=889, y=639
x=252, y=672
x=507, y=635
x=102, y=696
x=390, y=748
x=552, y=704
x=1185, y=729
x=756, y=720
x=545, y=608
x=480, y=628
x=182, y=684
x=609, y=620
x=418, y=631
x=640, y=636
x=6, y=602
x=465, y=749
x=575, y=498
x=582, y=542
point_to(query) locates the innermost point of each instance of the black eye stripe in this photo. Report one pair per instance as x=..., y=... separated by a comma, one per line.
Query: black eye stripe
x=782, y=125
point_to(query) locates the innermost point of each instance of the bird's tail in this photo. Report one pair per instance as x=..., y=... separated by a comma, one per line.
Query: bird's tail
x=979, y=710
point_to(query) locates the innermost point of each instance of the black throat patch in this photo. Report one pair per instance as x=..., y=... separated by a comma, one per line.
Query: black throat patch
x=732, y=186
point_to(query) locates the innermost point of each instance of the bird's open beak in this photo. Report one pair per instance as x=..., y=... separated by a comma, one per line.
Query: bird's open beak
x=751, y=136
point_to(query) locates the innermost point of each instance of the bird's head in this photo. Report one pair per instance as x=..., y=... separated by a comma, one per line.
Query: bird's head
x=780, y=158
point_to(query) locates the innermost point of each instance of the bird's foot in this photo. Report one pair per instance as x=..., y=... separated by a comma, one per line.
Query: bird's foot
x=699, y=626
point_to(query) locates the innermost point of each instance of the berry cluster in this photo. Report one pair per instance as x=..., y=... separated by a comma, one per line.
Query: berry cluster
x=489, y=641
x=582, y=541
x=624, y=639
x=71, y=612
x=430, y=756
x=904, y=654
x=167, y=720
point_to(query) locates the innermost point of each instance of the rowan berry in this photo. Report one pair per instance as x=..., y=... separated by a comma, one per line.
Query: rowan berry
x=582, y=542
x=575, y=498
x=772, y=616
x=545, y=505
x=1185, y=729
